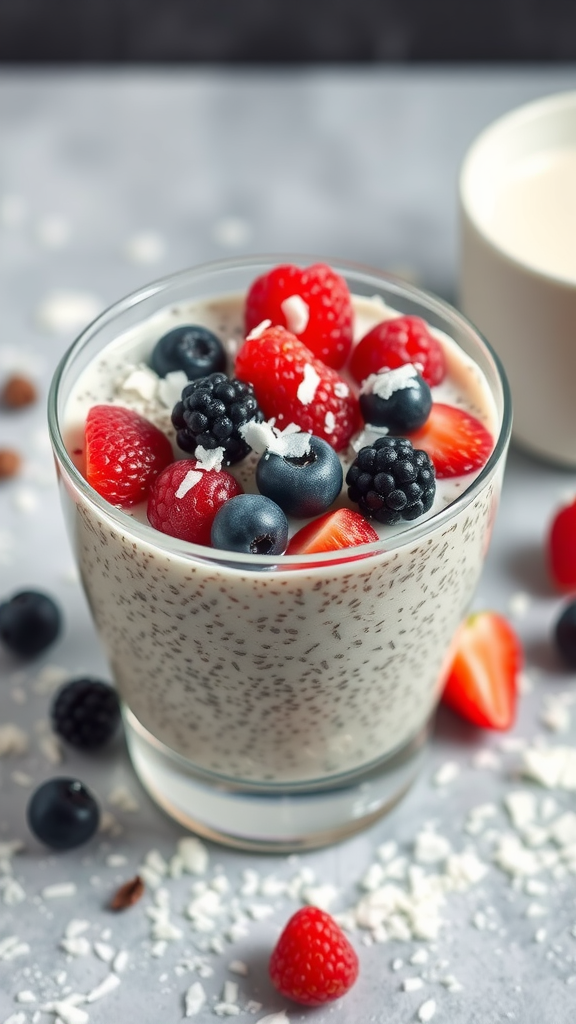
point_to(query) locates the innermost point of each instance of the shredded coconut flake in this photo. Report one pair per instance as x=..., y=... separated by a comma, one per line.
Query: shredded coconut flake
x=194, y=999
x=386, y=382
x=193, y=476
x=308, y=385
x=258, y=331
x=209, y=458
x=297, y=313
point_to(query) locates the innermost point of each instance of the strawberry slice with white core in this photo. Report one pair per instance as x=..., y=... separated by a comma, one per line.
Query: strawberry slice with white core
x=482, y=683
x=455, y=440
x=332, y=531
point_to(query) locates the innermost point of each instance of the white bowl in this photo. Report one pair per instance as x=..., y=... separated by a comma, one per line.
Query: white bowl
x=517, y=201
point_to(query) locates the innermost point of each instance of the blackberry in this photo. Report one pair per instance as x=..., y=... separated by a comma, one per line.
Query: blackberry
x=211, y=412
x=86, y=713
x=391, y=481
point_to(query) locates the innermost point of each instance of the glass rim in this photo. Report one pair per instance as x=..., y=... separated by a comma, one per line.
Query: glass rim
x=172, y=546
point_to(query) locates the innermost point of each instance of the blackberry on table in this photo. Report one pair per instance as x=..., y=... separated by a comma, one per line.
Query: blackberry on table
x=391, y=481
x=86, y=713
x=210, y=414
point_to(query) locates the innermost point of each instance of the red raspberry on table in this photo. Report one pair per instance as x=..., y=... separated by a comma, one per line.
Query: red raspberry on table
x=124, y=453
x=185, y=498
x=404, y=339
x=561, y=547
x=313, y=961
x=295, y=387
x=322, y=320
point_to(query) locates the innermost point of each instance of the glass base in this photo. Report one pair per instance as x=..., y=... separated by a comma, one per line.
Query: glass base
x=281, y=818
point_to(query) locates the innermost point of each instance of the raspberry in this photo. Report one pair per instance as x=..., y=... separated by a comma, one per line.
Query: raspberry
x=295, y=387
x=313, y=962
x=404, y=339
x=184, y=500
x=210, y=413
x=322, y=319
x=124, y=453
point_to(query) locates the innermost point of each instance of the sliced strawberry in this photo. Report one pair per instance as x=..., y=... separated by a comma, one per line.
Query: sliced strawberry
x=124, y=454
x=321, y=317
x=293, y=386
x=561, y=547
x=455, y=440
x=393, y=343
x=332, y=531
x=185, y=498
x=482, y=684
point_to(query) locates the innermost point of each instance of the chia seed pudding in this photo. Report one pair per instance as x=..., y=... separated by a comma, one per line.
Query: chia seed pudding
x=291, y=673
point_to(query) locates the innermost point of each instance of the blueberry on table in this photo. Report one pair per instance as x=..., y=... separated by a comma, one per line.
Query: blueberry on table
x=250, y=523
x=85, y=713
x=191, y=348
x=62, y=813
x=29, y=622
x=305, y=485
x=565, y=634
x=399, y=400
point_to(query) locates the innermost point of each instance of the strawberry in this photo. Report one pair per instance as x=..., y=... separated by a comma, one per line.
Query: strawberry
x=313, y=961
x=124, y=453
x=293, y=386
x=332, y=531
x=482, y=681
x=404, y=339
x=561, y=547
x=185, y=498
x=455, y=440
x=321, y=316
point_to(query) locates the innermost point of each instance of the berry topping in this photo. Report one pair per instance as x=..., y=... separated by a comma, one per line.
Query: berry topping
x=124, y=453
x=391, y=481
x=565, y=634
x=313, y=303
x=303, y=485
x=86, y=713
x=562, y=547
x=29, y=622
x=455, y=440
x=251, y=523
x=210, y=414
x=482, y=683
x=405, y=339
x=313, y=962
x=293, y=386
x=399, y=400
x=184, y=499
x=62, y=813
x=191, y=348
x=332, y=531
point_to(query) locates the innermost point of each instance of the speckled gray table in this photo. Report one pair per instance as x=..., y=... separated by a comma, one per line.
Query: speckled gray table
x=110, y=179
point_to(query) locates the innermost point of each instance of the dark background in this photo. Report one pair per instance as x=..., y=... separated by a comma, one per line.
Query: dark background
x=277, y=31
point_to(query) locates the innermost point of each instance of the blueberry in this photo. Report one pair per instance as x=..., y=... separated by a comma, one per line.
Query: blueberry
x=565, y=634
x=29, y=622
x=303, y=486
x=190, y=348
x=399, y=399
x=250, y=523
x=62, y=813
x=86, y=713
